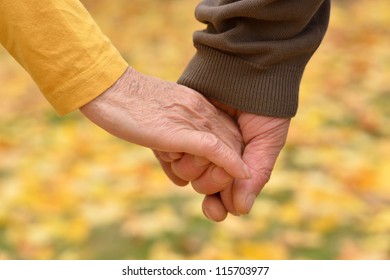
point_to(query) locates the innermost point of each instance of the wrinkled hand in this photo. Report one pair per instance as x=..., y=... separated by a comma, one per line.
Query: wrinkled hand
x=264, y=138
x=169, y=118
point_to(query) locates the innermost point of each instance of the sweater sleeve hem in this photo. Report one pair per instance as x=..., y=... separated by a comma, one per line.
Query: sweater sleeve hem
x=229, y=79
x=96, y=82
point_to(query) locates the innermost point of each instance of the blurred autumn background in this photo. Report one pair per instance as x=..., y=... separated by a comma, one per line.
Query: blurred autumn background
x=68, y=190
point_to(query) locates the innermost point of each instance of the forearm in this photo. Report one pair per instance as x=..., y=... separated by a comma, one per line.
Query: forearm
x=253, y=53
x=62, y=48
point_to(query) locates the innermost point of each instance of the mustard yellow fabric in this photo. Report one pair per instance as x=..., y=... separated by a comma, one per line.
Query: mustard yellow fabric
x=62, y=48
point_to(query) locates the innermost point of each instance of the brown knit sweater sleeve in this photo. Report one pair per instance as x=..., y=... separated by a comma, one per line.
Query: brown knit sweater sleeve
x=253, y=53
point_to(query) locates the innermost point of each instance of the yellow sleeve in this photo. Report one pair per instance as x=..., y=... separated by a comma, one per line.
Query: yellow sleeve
x=62, y=48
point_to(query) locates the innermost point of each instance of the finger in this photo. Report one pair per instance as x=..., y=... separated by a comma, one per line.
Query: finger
x=212, y=181
x=190, y=167
x=213, y=208
x=170, y=156
x=244, y=192
x=175, y=156
x=227, y=199
x=264, y=138
x=209, y=146
x=166, y=166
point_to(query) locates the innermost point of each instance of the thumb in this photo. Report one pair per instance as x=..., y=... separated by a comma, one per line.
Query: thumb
x=261, y=162
x=211, y=147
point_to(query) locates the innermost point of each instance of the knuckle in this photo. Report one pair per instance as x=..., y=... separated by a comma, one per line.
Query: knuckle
x=205, y=186
x=185, y=170
x=212, y=145
x=198, y=186
x=199, y=103
x=264, y=174
x=220, y=177
x=210, y=142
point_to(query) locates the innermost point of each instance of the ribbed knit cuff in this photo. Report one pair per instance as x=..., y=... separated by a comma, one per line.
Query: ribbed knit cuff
x=244, y=85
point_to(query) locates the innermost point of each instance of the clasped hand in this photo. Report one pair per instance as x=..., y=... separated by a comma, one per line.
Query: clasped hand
x=227, y=155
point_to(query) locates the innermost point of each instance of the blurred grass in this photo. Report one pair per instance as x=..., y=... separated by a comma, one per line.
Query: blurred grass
x=68, y=190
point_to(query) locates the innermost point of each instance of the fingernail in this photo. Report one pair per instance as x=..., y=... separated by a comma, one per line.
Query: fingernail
x=250, y=200
x=175, y=156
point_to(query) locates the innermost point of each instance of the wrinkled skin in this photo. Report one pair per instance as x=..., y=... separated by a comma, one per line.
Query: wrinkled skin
x=264, y=138
x=170, y=119
x=193, y=140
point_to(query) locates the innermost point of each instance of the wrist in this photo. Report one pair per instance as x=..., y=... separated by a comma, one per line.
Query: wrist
x=119, y=86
